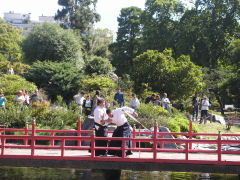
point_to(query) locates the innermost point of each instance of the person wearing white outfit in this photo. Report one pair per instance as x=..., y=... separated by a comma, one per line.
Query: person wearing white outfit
x=101, y=121
x=134, y=102
x=165, y=101
x=79, y=99
x=123, y=129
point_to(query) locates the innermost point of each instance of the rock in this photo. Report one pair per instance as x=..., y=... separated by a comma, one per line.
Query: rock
x=219, y=119
x=167, y=145
x=88, y=124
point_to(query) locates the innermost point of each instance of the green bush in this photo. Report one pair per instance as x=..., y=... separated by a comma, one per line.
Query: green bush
x=98, y=65
x=56, y=78
x=93, y=83
x=148, y=113
x=51, y=42
x=11, y=84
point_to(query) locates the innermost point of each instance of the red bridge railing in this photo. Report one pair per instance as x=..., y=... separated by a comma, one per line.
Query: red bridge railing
x=155, y=138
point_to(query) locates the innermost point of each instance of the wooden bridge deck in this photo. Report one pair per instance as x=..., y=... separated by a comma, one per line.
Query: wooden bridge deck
x=17, y=157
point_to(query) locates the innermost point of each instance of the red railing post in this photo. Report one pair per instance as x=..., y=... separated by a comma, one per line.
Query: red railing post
x=79, y=130
x=62, y=148
x=26, y=133
x=33, y=135
x=134, y=136
x=190, y=134
x=93, y=143
x=219, y=141
x=123, y=148
x=155, y=136
x=3, y=146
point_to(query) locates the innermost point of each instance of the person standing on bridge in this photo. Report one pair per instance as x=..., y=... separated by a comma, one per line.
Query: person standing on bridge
x=101, y=121
x=123, y=129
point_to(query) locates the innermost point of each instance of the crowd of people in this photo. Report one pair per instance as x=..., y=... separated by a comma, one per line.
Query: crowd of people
x=22, y=98
x=157, y=101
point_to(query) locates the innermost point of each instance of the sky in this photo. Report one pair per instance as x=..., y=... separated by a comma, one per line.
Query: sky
x=108, y=9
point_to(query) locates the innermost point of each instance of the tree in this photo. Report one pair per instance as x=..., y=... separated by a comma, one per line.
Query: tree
x=51, y=42
x=93, y=83
x=207, y=29
x=56, y=78
x=159, y=21
x=78, y=14
x=128, y=39
x=10, y=42
x=19, y=68
x=99, y=66
x=180, y=78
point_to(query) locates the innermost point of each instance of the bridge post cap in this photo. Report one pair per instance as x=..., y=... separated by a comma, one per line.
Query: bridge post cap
x=155, y=123
x=219, y=134
x=79, y=117
x=134, y=126
x=93, y=131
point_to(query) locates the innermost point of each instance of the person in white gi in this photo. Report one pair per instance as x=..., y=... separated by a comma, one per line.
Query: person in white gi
x=101, y=121
x=123, y=129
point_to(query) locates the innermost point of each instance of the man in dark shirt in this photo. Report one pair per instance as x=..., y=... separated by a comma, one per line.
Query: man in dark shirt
x=195, y=105
x=150, y=99
x=35, y=97
x=119, y=98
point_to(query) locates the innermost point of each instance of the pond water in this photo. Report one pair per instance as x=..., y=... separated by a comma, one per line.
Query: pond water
x=12, y=173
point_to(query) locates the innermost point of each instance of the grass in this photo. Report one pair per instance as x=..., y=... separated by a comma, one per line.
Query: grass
x=215, y=127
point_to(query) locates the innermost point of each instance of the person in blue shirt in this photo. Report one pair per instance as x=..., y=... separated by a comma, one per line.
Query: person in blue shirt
x=119, y=98
x=2, y=101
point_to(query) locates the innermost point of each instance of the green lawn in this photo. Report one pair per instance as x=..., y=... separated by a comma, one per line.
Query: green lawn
x=215, y=127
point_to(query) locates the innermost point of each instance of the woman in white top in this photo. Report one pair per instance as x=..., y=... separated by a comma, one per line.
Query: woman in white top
x=204, y=109
x=165, y=101
x=134, y=102
x=19, y=98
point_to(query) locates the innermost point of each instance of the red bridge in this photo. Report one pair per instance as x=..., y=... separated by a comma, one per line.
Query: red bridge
x=27, y=152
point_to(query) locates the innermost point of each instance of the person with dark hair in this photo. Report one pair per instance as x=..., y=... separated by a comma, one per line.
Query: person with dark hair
x=134, y=102
x=101, y=121
x=119, y=98
x=87, y=105
x=95, y=99
x=123, y=129
x=150, y=99
x=195, y=105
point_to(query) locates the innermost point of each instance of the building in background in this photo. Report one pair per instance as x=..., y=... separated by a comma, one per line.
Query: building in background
x=43, y=19
x=23, y=21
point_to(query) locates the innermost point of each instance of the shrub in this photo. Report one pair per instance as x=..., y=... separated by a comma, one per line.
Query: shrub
x=56, y=78
x=93, y=83
x=11, y=84
x=52, y=42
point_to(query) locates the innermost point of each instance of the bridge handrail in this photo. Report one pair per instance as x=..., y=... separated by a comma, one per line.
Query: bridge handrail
x=156, y=138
